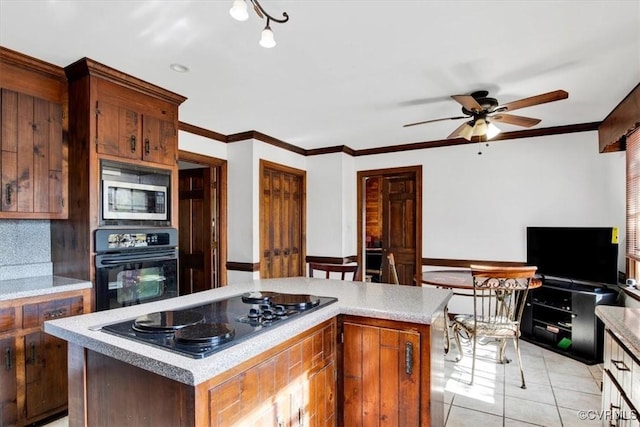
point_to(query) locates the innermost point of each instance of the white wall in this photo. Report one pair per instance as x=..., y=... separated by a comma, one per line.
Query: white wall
x=331, y=206
x=201, y=145
x=474, y=206
x=478, y=206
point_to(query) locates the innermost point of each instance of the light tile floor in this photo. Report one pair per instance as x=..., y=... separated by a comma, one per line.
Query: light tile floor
x=558, y=388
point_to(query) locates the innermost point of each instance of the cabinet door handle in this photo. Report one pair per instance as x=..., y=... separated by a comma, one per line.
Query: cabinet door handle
x=7, y=359
x=147, y=148
x=33, y=353
x=8, y=190
x=408, y=358
x=133, y=143
x=300, y=416
x=620, y=365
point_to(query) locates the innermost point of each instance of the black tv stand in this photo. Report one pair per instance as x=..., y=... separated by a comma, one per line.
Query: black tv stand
x=560, y=316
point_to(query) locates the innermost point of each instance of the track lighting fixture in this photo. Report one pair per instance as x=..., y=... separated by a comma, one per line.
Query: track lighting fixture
x=239, y=11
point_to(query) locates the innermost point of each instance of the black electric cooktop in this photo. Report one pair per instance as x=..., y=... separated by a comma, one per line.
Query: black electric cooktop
x=201, y=330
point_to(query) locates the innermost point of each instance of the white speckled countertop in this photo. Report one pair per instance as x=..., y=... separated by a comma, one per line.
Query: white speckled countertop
x=402, y=303
x=38, y=286
x=624, y=322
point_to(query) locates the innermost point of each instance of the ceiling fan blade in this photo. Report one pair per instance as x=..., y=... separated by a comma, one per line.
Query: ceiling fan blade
x=468, y=102
x=556, y=95
x=511, y=119
x=435, y=120
x=456, y=133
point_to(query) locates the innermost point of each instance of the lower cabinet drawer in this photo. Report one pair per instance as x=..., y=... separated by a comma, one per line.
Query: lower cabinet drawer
x=7, y=319
x=36, y=314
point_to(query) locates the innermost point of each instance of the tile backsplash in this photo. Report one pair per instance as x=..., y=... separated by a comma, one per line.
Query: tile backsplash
x=25, y=249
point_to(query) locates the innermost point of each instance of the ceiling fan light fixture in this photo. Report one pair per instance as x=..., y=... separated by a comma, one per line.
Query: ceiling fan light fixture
x=480, y=128
x=239, y=10
x=492, y=130
x=467, y=131
x=267, y=40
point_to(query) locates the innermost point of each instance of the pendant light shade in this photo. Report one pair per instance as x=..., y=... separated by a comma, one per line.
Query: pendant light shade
x=267, y=40
x=239, y=10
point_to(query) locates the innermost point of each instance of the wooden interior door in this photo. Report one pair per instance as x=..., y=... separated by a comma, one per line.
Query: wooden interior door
x=196, y=231
x=390, y=220
x=282, y=191
x=399, y=226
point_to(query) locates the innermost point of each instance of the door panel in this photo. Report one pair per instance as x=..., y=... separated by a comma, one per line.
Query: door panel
x=195, y=243
x=281, y=222
x=399, y=225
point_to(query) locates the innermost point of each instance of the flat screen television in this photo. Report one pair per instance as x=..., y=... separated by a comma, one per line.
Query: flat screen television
x=580, y=253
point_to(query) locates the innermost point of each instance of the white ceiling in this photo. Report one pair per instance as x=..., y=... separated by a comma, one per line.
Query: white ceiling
x=348, y=72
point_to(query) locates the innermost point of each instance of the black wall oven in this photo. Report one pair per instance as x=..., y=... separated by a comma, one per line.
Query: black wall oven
x=134, y=266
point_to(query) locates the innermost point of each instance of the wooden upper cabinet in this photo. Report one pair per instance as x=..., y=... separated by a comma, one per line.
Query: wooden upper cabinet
x=124, y=132
x=31, y=154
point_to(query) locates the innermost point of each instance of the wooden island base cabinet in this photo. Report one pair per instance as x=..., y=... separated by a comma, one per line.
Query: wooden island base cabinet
x=293, y=384
x=389, y=377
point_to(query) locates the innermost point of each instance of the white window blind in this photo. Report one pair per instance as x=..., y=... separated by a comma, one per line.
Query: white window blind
x=633, y=195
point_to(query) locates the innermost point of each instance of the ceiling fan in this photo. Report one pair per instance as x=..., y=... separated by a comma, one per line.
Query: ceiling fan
x=483, y=110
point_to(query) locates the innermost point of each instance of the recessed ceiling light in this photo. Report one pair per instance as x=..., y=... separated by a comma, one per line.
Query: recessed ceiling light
x=179, y=68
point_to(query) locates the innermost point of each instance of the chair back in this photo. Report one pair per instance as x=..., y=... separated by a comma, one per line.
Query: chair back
x=334, y=268
x=499, y=294
x=392, y=268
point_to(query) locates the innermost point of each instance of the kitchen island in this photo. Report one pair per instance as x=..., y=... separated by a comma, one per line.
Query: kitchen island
x=117, y=380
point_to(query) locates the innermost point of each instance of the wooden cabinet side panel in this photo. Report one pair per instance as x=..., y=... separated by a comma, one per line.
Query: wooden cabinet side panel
x=119, y=395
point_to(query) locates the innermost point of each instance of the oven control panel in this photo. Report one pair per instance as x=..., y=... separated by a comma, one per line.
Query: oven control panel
x=118, y=239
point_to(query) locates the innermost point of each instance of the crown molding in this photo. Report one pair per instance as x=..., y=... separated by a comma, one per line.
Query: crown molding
x=252, y=134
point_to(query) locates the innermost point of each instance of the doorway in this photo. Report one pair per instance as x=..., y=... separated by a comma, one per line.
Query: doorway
x=390, y=221
x=202, y=210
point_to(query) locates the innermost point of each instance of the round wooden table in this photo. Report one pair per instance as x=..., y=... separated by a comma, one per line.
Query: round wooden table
x=457, y=279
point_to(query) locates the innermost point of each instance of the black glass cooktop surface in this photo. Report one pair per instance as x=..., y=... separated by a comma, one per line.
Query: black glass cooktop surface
x=201, y=330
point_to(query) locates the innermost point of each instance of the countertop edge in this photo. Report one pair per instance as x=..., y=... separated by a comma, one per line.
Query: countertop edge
x=617, y=320
x=36, y=286
x=354, y=298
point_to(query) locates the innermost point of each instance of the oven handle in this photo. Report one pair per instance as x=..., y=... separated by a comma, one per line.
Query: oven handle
x=125, y=259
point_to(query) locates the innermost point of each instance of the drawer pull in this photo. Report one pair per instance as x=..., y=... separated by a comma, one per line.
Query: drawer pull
x=620, y=365
x=55, y=313
x=7, y=359
x=408, y=358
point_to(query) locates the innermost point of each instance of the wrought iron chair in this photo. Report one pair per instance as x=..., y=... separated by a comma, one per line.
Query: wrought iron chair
x=392, y=269
x=334, y=268
x=499, y=294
